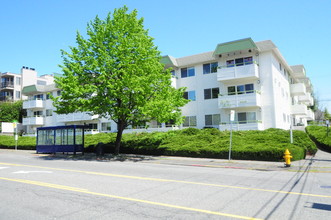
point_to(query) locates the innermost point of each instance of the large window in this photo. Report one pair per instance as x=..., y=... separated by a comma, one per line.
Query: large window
x=190, y=121
x=211, y=93
x=18, y=94
x=18, y=81
x=239, y=61
x=241, y=89
x=210, y=68
x=49, y=112
x=246, y=117
x=105, y=126
x=190, y=95
x=212, y=119
x=187, y=72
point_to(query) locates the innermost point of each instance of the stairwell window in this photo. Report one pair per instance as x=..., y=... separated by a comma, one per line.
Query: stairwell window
x=190, y=121
x=187, y=72
x=210, y=68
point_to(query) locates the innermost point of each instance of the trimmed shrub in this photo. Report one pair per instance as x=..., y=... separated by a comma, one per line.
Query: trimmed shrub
x=23, y=143
x=319, y=135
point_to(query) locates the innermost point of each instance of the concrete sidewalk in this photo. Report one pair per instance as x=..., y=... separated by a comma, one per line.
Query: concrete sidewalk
x=321, y=162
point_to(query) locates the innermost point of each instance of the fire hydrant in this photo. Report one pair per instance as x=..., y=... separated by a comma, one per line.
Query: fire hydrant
x=287, y=157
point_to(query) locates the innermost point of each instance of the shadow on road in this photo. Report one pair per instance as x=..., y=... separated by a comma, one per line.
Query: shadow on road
x=93, y=157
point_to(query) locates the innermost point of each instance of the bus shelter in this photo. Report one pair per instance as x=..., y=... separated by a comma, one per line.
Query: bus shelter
x=55, y=139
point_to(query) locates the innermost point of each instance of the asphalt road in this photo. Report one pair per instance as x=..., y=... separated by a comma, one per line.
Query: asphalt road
x=34, y=186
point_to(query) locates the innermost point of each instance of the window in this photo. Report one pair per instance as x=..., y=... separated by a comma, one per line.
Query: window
x=39, y=97
x=173, y=73
x=18, y=94
x=49, y=112
x=211, y=93
x=190, y=95
x=93, y=126
x=105, y=126
x=187, y=72
x=246, y=117
x=210, y=68
x=18, y=81
x=190, y=121
x=38, y=113
x=280, y=67
x=40, y=82
x=58, y=93
x=212, y=119
x=241, y=89
x=239, y=62
x=48, y=96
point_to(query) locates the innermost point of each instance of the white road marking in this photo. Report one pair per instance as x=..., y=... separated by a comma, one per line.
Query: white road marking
x=22, y=171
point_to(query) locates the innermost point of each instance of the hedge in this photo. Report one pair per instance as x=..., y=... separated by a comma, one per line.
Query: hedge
x=319, y=135
x=267, y=145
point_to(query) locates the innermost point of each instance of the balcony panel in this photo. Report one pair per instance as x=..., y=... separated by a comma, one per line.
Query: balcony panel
x=238, y=72
x=38, y=120
x=78, y=116
x=298, y=89
x=31, y=104
x=256, y=125
x=242, y=100
x=310, y=115
x=299, y=109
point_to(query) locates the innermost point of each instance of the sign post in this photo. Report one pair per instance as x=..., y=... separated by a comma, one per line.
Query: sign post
x=327, y=127
x=15, y=133
x=232, y=113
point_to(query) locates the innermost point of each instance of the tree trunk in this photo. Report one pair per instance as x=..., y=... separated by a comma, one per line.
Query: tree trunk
x=120, y=128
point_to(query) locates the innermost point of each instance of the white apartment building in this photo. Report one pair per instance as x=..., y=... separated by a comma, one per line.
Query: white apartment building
x=251, y=78
x=12, y=83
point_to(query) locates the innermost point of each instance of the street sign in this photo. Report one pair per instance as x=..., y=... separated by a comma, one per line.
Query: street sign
x=232, y=113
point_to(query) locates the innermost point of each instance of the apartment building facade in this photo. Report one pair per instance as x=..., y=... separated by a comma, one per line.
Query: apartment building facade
x=12, y=83
x=250, y=78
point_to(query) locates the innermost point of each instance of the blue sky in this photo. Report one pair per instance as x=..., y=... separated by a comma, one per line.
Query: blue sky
x=34, y=31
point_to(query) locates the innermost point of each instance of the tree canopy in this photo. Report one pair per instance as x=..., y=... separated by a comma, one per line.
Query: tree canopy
x=10, y=111
x=116, y=73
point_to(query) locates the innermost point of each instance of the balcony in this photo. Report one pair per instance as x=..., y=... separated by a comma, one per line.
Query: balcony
x=310, y=115
x=33, y=104
x=77, y=116
x=235, y=73
x=306, y=99
x=7, y=85
x=242, y=126
x=249, y=99
x=298, y=89
x=34, y=120
x=299, y=109
x=298, y=71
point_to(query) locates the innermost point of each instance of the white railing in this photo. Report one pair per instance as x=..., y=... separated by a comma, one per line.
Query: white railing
x=33, y=120
x=299, y=109
x=38, y=103
x=242, y=125
x=238, y=72
x=78, y=116
x=246, y=99
x=298, y=89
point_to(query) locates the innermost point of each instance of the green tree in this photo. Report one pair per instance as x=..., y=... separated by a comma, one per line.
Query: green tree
x=116, y=73
x=10, y=111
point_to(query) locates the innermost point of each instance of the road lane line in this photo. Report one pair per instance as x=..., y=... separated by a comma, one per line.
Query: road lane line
x=74, y=189
x=169, y=180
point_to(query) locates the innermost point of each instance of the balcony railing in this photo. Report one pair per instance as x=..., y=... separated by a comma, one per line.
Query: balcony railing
x=236, y=72
x=242, y=125
x=77, y=116
x=310, y=115
x=307, y=99
x=298, y=89
x=34, y=120
x=29, y=104
x=299, y=109
x=242, y=99
x=7, y=85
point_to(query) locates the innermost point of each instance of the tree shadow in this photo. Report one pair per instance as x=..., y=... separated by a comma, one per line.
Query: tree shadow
x=94, y=157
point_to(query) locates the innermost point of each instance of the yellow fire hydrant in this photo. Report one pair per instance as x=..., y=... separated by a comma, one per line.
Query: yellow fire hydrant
x=287, y=157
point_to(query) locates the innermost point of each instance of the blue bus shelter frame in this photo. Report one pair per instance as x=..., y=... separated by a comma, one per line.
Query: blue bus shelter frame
x=49, y=144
